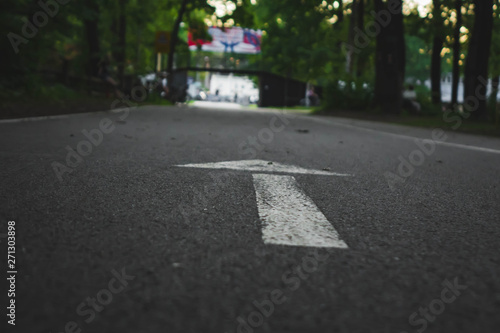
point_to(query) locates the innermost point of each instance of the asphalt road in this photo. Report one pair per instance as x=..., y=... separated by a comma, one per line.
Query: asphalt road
x=125, y=240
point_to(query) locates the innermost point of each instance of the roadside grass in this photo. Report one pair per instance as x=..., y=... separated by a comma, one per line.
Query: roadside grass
x=467, y=126
x=40, y=93
x=295, y=109
x=57, y=99
x=49, y=101
x=470, y=126
x=155, y=99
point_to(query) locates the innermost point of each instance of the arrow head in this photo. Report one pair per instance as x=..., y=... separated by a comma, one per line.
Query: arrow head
x=262, y=166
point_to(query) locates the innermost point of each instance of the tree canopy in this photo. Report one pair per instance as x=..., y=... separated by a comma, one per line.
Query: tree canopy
x=343, y=46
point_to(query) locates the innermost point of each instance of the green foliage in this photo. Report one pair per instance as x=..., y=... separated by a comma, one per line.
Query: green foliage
x=196, y=25
x=54, y=92
x=353, y=95
x=36, y=87
x=494, y=65
x=424, y=99
x=302, y=39
x=244, y=14
x=299, y=41
x=155, y=99
x=418, y=58
x=63, y=39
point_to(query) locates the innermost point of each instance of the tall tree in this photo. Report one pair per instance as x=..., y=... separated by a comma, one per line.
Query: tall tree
x=173, y=41
x=437, y=46
x=120, y=30
x=495, y=83
x=476, y=66
x=456, y=54
x=91, y=24
x=495, y=64
x=352, y=24
x=390, y=57
x=341, y=11
x=360, y=67
x=301, y=36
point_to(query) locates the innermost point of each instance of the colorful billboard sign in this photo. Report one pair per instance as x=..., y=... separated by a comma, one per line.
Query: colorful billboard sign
x=236, y=39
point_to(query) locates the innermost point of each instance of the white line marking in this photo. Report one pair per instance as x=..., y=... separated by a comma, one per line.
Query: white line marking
x=61, y=116
x=407, y=137
x=261, y=166
x=27, y=119
x=289, y=216
x=459, y=145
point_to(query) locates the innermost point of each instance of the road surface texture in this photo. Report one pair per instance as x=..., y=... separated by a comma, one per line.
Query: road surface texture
x=114, y=233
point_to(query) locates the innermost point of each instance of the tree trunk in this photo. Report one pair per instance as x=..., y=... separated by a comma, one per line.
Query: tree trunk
x=65, y=70
x=436, y=70
x=122, y=36
x=456, y=54
x=360, y=66
x=119, y=28
x=350, y=50
x=476, y=67
x=494, y=93
x=341, y=11
x=92, y=35
x=437, y=46
x=390, y=59
x=173, y=43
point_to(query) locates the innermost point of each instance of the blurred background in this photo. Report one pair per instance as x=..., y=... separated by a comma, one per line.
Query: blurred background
x=353, y=57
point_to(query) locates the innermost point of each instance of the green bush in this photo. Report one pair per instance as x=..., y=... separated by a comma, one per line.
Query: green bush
x=56, y=92
x=34, y=87
x=425, y=100
x=352, y=95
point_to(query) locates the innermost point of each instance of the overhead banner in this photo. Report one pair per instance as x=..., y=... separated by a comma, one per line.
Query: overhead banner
x=236, y=39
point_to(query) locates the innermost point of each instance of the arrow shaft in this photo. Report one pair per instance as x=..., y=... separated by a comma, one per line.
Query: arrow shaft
x=289, y=216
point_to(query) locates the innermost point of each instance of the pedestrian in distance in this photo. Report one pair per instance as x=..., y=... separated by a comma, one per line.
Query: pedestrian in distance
x=312, y=96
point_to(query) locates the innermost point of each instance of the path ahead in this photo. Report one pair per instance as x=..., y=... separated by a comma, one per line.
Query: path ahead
x=311, y=224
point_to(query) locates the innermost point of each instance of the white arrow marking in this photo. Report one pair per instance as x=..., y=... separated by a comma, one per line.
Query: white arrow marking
x=289, y=216
x=261, y=166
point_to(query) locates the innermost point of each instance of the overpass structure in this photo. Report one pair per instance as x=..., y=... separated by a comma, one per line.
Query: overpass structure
x=274, y=90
